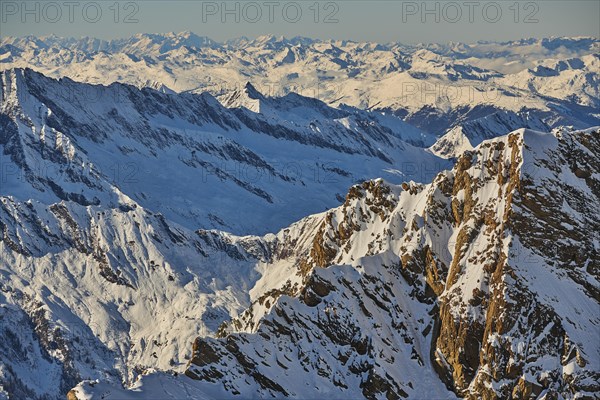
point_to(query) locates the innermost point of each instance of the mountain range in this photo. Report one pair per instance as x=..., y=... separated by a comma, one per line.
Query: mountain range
x=532, y=83
x=272, y=217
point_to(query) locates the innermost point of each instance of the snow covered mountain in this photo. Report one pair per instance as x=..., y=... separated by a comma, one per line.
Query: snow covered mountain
x=455, y=276
x=466, y=135
x=278, y=217
x=106, y=195
x=437, y=88
x=193, y=160
x=482, y=284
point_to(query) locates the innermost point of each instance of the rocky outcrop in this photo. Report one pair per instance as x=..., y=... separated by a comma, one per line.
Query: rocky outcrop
x=483, y=253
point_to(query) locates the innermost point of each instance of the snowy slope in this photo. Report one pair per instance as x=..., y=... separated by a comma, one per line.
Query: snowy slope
x=200, y=164
x=465, y=135
x=570, y=78
x=482, y=284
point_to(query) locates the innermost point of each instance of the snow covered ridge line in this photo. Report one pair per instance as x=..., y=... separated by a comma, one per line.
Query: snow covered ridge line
x=481, y=284
x=59, y=145
x=397, y=77
x=460, y=93
x=172, y=40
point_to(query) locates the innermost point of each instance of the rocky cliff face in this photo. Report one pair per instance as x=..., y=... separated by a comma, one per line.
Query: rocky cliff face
x=482, y=284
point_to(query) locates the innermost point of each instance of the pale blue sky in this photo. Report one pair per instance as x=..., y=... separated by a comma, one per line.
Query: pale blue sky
x=381, y=21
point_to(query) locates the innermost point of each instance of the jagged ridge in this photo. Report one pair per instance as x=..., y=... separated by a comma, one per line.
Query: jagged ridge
x=455, y=276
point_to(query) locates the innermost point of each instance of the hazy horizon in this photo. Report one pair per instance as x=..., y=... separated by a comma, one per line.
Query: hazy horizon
x=378, y=21
x=179, y=33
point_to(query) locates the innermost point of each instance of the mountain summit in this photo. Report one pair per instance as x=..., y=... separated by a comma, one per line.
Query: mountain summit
x=438, y=290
